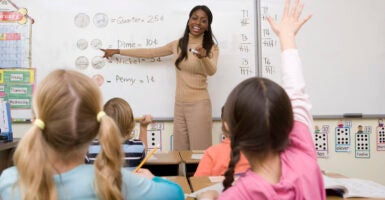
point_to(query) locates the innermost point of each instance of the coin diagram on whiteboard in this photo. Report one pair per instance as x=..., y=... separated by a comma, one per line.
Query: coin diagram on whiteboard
x=82, y=20
x=81, y=62
x=100, y=20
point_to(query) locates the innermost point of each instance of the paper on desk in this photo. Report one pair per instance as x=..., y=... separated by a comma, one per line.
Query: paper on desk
x=355, y=187
x=215, y=179
x=197, y=156
x=217, y=187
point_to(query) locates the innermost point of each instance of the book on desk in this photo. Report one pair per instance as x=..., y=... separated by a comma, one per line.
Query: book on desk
x=352, y=187
x=6, y=134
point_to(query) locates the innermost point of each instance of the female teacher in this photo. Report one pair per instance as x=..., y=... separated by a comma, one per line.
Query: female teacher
x=195, y=56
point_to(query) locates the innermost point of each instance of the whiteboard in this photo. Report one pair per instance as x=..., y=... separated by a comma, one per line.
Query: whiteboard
x=343, y=52
x=65, y=34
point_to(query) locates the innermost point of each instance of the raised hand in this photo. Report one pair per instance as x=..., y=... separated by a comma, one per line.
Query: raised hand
x=290, y=24
x=146, y=120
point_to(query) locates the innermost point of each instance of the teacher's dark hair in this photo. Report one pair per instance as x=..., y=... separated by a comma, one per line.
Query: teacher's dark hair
x=208, y=37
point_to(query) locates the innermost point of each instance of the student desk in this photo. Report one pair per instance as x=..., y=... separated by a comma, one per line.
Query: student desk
x=190, y=163
x=199, y=182
x=6, y=153
x=164, y=163
x=181, y=181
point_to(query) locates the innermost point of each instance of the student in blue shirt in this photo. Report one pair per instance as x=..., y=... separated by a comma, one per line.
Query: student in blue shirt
x=49, y=159
x=134, y=149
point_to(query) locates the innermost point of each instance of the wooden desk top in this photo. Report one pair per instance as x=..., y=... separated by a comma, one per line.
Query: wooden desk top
x=9, y=145
x=164, y=158
x=199, y=182
x=181, y=181
x=186, y=156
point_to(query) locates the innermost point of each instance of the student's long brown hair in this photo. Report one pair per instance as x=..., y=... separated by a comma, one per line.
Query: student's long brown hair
x=208, y=37
x=68, y=103
x=259, y=115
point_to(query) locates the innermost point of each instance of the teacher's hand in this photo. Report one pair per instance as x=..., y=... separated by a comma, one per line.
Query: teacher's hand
x=200, y=52
x=108, y=53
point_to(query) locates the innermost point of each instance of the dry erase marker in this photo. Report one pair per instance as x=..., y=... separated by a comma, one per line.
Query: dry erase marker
x=193, y=51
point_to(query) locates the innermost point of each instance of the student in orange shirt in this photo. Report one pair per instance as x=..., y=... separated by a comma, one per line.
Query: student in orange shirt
x=216, y=158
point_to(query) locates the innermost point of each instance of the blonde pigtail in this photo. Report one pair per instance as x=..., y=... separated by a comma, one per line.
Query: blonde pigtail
x=109, y=162
x=35, y=173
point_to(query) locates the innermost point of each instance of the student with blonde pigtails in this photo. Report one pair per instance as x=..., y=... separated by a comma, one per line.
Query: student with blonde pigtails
x=49, y=160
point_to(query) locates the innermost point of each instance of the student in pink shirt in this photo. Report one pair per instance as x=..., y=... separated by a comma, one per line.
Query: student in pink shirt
x=271, y=126
x=216, y=158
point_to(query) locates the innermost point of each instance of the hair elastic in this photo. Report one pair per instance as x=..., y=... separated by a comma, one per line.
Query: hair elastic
x=39, y=123
x=100, y=115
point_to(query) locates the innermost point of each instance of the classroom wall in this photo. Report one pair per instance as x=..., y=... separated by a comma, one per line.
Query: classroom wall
x=344, y=163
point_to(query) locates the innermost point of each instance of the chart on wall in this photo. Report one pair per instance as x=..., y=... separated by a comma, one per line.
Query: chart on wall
x=69, y=36
x=16, y=75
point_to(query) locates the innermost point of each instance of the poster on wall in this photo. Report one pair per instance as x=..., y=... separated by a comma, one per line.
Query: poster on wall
x=16, y=75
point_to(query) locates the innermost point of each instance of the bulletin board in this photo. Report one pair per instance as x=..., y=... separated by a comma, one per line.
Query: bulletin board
x=16, y=73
